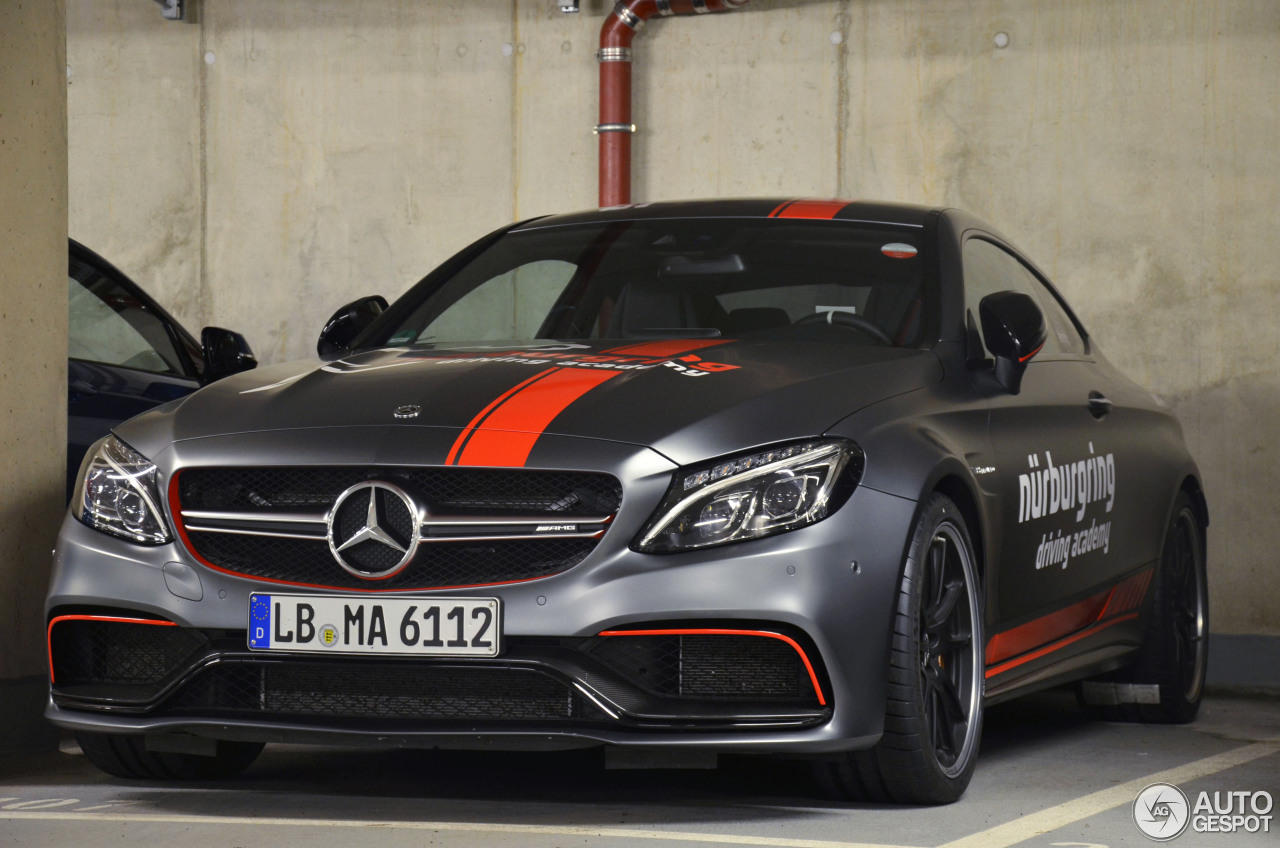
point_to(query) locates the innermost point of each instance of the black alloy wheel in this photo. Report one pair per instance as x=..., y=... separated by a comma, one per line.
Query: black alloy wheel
x=1189, y=608
x=1166, y=681
x=950, y=657
x=933, y=716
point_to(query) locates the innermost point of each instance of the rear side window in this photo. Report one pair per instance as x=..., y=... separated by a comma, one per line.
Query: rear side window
x=108, y=324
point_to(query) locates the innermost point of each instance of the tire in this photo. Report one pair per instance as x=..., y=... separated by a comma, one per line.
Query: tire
x=1166, y=682
x=127, y=756
x=933, y=715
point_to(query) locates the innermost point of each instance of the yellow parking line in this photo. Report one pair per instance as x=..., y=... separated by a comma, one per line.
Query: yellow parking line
x=463, y=827
x=1047, y=821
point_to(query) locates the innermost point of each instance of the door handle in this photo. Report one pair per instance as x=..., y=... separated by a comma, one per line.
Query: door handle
x=1099, y=404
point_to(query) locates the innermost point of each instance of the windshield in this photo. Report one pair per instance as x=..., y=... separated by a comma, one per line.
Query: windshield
x=743, y=278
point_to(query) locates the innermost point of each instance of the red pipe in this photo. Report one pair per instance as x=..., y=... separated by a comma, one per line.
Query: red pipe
x=615, y=127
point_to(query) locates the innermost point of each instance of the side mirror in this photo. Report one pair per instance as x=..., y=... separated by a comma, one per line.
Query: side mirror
x=348, y=323
x=225, y=353
x=1013, y=327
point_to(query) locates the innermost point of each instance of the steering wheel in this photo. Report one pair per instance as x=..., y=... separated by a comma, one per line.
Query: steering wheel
x=846, y=320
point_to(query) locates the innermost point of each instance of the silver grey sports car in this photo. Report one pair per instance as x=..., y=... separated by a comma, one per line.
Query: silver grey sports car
x=806, y=478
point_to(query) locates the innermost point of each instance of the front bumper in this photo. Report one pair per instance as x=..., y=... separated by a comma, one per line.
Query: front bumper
x=828, y=588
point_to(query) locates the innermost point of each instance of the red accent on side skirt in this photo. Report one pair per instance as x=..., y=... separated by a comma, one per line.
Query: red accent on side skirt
x=1063, y=627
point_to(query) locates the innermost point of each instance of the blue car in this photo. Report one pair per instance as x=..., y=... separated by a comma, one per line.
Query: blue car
x=127, y=355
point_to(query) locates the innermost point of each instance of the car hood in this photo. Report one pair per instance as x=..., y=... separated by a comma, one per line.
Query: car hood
x=687, y=399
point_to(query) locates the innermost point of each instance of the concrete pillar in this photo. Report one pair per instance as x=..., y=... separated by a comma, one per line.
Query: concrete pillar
x=33, y=348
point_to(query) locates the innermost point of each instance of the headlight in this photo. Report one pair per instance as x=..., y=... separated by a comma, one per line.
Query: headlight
x=752, y=496
x=117, y=494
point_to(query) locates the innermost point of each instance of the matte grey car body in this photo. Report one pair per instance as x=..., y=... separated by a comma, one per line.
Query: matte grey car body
x=734, y=476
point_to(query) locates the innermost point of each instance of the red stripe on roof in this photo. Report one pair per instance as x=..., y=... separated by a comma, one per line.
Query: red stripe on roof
x=667, y=348
x=822, y=210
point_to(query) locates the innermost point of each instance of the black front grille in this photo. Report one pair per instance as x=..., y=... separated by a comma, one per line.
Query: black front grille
x=436, y=565
x=378, y=690
x=465, y=491
x=258, y=493
x=720, y=666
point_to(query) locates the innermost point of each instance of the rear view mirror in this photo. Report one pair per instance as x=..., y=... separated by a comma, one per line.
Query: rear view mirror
x=1013, y=327
x=349, y=322
x=225, y=353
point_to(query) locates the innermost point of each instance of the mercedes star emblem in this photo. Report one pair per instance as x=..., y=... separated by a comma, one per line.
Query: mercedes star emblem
x=373, y=530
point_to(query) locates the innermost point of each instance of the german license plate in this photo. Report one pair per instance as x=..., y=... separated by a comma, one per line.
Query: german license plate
x=437, y=627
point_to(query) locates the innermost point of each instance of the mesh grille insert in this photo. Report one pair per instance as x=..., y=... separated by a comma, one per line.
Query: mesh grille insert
x=493, y=491
x=120, y=653
x=381, y=691
x=708, y=666
x=435, y=565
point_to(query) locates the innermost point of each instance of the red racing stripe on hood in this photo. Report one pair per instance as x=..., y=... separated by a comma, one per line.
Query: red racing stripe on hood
x=513, y=426
x=504, y=432
x=474, y=424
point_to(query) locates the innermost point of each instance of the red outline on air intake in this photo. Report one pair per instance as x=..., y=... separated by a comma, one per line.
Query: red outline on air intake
x=49, y=633
x=1060, y=628
x=813, y=677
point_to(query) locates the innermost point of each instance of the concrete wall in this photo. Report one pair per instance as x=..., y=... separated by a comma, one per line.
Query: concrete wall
x=33, y=348
x=260, y=167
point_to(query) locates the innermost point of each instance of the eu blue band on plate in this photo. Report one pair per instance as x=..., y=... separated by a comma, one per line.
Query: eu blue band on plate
x=260, y=621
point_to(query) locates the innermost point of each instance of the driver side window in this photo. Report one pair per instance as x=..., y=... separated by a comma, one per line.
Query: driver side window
x=510, y=306
x=989, y=269
x=107, y=324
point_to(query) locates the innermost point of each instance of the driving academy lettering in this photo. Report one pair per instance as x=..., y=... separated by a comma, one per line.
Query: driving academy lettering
x=1048, y=489
x=1059, y=549
x=690, y=365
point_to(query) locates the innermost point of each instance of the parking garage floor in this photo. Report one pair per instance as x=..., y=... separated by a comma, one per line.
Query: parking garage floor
x=1046, y=777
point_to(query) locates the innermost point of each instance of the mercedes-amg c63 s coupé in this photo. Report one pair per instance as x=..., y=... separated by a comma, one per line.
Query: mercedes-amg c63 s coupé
x=811, y=478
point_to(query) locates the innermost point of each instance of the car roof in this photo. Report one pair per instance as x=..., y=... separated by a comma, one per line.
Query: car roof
x=902, y=214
